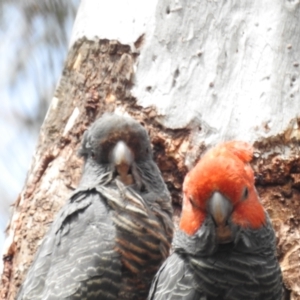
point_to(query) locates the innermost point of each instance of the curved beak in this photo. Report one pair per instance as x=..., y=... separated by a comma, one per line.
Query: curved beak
x=220, y=209
x=122, y=159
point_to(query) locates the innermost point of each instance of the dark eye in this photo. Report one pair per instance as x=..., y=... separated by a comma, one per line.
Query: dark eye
x=92, y=154
x=245, y=193
x=192, y=201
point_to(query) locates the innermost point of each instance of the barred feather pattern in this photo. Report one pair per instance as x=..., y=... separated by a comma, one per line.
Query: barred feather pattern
x=107, y=242
x=198, y=269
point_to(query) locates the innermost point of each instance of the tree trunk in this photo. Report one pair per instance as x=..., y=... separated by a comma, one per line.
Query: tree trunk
x=194, y=73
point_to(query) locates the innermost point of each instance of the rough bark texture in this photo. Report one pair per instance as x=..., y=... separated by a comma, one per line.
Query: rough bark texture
x=98, y=77
x=277, y=178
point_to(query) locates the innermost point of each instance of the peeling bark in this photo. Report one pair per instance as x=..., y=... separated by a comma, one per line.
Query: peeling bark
x=278, y=187
x=96, y=79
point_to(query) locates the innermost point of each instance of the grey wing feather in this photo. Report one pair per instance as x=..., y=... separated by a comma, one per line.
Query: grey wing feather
x=76, y=259
x=174, y=280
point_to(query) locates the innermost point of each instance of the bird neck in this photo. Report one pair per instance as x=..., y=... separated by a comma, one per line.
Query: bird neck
x=94, y=173
x=247, y=240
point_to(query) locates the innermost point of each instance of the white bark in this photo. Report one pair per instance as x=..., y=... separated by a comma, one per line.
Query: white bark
x=123, y=21
x=233, y=65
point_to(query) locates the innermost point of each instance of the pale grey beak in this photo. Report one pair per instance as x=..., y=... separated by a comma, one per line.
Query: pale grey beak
x=220, y=209
x=122, y=158
x=121, y=154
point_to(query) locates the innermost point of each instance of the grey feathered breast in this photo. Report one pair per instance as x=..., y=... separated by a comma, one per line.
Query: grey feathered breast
x=109, y=239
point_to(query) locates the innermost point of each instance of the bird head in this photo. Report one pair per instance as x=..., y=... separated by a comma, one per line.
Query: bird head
x=221, y=186
x=117, y=142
